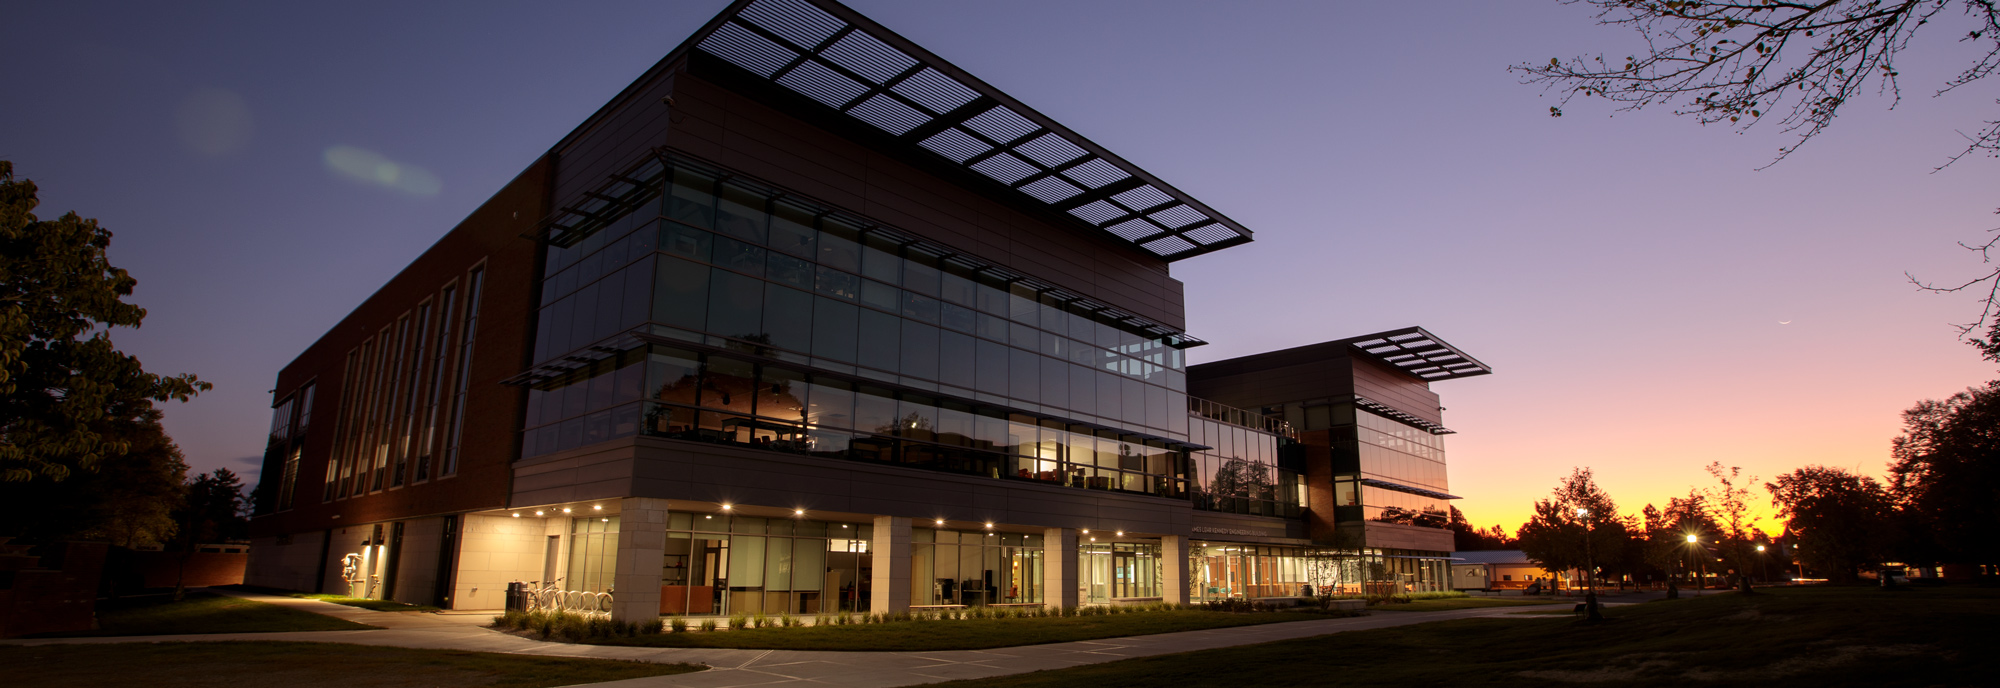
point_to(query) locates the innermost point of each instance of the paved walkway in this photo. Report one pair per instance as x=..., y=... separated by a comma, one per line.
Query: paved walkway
x=731, y=668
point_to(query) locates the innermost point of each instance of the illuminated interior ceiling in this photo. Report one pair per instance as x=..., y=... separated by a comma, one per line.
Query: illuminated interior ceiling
x=843, y=61
x=1420, y=353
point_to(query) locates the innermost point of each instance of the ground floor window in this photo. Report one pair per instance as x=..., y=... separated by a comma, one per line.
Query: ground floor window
x=1218, y=571
x=593, y=554
x=1110, y=571
x=974, y=568
x=719, y=564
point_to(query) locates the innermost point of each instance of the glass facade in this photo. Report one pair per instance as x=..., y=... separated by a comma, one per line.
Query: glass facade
x=1107, y=572
x=1391, y=450
x=719, y=564
x=724, y=264
x=974, y=569
x=715, y=397
x=593, y=554
x=1246, y=471
x=1218, y=571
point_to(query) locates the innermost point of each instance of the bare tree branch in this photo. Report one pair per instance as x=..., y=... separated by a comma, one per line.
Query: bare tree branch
x=1743, y=61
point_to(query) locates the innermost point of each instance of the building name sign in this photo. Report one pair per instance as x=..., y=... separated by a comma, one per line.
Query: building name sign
x=1234, y=531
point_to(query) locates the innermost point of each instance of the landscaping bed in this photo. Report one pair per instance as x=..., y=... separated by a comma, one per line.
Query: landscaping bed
x=922, y=631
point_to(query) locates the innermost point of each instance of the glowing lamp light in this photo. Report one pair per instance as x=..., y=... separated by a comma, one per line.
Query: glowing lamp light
x=517, y=514
x=725, y=507
x=538, y=513
x=565, y=510
x=940, y=521
x=596, y=507
x=989, y=524
x=1692, y=539
x=798, y=512
x=1760, y=548
x=1121, y=533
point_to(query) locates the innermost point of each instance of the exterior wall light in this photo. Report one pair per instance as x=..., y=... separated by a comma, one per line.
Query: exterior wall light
x=989, y=524
x=517, y=514
x=538, y=513
x=798, y=512
x=940, y=521
x=1121, y=533
x=565, y=510
x=596, y=507
x=725, y=507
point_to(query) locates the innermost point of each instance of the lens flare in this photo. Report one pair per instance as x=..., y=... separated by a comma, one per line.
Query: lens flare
x=375, y=169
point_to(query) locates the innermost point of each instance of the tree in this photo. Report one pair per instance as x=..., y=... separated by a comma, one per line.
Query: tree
x=1741, y=61
x=212, y=509
x=1573, y=528
x=59, y=373
x=128, y=501
x=1945, y=473
x=1839, y=519
x=1731, y=496
x=1467, y=538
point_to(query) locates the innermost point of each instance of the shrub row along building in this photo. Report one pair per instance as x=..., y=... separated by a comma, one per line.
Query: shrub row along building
x=809, y=320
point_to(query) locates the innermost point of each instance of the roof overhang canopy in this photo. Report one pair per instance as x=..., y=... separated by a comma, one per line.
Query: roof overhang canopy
x=834, y=56
x=1411, y=489
x=1420, y=353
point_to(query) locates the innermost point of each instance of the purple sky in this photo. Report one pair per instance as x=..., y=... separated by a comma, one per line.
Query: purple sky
x=1625, y=276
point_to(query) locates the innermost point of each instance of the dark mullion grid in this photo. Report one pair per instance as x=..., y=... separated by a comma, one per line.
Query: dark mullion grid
x=1050, y=171
x=813, y=54
x=1101, y=193
x=883, y=88
x=1182, y=232
x=948, y=120
x=804, y=53
x=1002, y=147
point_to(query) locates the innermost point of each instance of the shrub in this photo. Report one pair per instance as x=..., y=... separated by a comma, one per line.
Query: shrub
x=758, y=620
x=678, y=625
x=788, y=621
x=708, y=625
x=738, y=622
x=545, y=625
x=571, y=627
x=845, y=618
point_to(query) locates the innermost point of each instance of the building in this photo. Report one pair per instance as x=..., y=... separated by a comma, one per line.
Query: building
x=1508, y=569
x=809, y=320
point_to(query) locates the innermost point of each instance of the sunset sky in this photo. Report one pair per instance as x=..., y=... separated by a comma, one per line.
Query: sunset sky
x=1627, y=277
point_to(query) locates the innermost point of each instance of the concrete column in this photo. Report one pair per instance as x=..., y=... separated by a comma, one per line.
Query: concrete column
x=1059, y=567
x=642, y=550
x=1173, y=569
x=889, y=591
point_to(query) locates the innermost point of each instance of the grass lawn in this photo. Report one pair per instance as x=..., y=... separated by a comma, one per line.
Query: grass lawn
x=1799, y=637
x=173, y=665
x=365, y=603
x=204, y=612
x=1450, y=603
x=970, y=634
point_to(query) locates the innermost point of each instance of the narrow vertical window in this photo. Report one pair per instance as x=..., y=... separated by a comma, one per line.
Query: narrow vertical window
x=472, y=287
x=412, y=382
x=389, y=379
x=427, y=443
x=288, y=483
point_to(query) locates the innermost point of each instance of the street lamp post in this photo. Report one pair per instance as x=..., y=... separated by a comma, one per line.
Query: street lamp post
x=1763, y=565
x=1589, y=571
x=1694, y=542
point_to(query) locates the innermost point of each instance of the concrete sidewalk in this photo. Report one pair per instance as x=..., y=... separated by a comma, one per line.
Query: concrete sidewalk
x=775, y=667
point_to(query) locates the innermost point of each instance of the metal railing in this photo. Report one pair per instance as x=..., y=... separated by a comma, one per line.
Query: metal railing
x=1236, y=416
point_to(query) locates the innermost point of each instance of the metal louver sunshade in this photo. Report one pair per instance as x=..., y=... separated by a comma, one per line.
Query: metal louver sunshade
x=834, y=56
